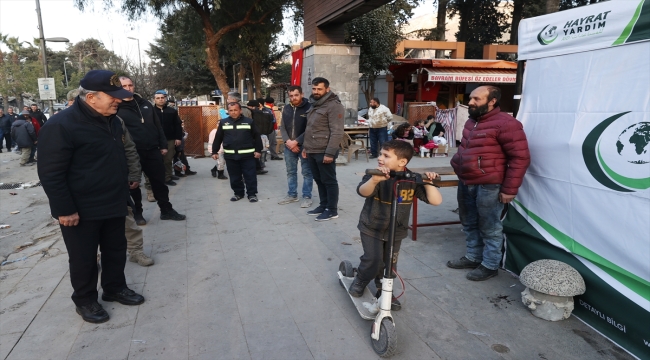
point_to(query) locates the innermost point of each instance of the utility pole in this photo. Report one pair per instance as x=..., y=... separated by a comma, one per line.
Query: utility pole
x=139, y=58
x=42, y=43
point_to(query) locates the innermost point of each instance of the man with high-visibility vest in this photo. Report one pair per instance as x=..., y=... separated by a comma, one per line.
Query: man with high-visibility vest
x=242, y=145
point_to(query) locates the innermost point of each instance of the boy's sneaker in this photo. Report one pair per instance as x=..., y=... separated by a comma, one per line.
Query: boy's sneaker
x=317, y=211
x=236, y=198
x=463, y=263
x=306, y=202
x=327, y=215
x=357, y=287
x=288, y=200
x=252, y=198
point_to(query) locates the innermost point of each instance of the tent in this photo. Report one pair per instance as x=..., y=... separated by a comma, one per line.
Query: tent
x=585, y=199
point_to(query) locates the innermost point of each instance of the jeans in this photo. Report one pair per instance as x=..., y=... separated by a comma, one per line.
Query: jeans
x=291, y=160
x=480, y=215
x=243, y=168
x=82, y=242
x=374, y=258
x=377, y=135
x=325, y=178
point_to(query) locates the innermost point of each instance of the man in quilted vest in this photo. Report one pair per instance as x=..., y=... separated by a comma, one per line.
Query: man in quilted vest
x=490, y=163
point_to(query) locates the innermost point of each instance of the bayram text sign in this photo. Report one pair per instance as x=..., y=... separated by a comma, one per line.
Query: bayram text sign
x=509, y=79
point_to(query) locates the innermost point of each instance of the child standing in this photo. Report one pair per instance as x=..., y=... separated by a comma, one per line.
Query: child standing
x=419, y=135
x=375, y=216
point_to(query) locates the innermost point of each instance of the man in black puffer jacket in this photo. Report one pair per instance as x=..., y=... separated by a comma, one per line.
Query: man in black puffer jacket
x=147, y=133
x=83, y=169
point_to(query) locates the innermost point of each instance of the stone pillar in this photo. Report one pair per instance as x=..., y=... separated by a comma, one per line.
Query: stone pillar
x=340, y=65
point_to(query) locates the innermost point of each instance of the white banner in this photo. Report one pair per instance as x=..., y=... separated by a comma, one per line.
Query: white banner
x=597, y=26
x=587, y=119
x=46, y=89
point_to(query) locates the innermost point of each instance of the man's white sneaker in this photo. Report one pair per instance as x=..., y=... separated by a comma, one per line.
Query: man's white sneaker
x=288, y=200
x=306, y=202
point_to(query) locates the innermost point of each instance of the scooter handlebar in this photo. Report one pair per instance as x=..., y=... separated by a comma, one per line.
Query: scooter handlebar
x=407, y=174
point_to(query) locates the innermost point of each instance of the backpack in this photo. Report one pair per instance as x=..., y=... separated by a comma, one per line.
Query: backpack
x=263, y=122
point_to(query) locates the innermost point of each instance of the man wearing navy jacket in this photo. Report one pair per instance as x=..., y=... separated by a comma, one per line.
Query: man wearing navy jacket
x=83, y=169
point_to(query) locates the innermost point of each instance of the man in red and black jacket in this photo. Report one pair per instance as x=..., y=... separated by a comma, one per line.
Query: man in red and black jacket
x=490, y=163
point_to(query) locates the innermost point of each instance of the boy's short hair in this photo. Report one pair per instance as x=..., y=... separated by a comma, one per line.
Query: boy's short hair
x=402, y=149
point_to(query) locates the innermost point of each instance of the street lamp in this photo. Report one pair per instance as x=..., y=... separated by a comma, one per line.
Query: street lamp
x=65, y=72
x=139, y=58
x=42, y=41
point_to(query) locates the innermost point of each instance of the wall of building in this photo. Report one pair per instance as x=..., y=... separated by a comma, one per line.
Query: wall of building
x=381, y=91
x=339, y=64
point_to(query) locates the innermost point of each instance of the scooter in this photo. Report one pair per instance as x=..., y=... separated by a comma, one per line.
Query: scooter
x=383, y=334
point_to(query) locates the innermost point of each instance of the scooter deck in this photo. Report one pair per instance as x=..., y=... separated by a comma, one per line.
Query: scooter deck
x=367, y=298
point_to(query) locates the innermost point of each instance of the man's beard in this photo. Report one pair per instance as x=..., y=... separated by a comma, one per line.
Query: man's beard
x=373, y=106
x=316, y=97
x=476, y=111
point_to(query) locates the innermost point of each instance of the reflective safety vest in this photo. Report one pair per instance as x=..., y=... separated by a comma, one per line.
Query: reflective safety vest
x=238, y=138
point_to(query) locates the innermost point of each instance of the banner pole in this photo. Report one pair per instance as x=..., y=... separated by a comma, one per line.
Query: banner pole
x=518, y=87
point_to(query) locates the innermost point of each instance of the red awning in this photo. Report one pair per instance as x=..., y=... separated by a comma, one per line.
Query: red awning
x=469, y=75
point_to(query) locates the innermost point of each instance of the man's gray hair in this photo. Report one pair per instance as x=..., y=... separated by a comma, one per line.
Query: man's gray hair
x=83, y=92
x=72, y=94
x=235, y=95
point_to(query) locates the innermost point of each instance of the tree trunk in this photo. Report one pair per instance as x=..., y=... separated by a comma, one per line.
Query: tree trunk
x=212, y=61
x=241, y=75
x=552, y=6
x=256, y=69
x=441, y=26
x=213, y=38
x=516, y=18
x=369, y=88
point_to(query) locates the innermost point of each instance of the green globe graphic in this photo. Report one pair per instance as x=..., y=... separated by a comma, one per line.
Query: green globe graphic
x=634, y=143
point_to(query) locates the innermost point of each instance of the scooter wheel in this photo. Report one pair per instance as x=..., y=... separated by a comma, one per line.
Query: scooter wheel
x=387, y=343
x=346, y=268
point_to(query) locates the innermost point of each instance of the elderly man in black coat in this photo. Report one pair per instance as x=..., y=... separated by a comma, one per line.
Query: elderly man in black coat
x=83, y=170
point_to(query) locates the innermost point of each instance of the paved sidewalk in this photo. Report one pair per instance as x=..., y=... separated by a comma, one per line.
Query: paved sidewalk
x=258, y=281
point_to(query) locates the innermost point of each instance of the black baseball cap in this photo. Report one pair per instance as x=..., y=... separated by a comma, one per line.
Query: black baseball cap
x=105, y=81
x=253, y=103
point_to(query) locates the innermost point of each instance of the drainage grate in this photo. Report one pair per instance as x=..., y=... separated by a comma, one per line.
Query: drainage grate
x=19, y=185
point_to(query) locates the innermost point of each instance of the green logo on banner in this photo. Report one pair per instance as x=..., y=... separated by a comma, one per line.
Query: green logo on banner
x=546, y=37
x=632, y=145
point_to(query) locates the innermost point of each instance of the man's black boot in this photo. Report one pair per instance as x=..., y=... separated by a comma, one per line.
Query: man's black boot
x=481, y=273
x=463, y=263
x=139, y=219
x=221, y=175
x=124, y=297
x=172, y=215
x=93, y=313
x=179, y=174
x=214, y=171
x=357, y=287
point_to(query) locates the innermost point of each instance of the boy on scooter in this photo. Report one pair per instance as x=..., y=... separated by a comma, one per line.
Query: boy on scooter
x=375, y=216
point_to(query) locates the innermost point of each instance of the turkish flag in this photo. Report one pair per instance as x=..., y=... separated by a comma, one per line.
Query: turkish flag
x=296, y=68
x=430, y=91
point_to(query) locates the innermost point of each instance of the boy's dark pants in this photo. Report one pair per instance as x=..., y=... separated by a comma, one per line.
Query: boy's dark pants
x=375, y=255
